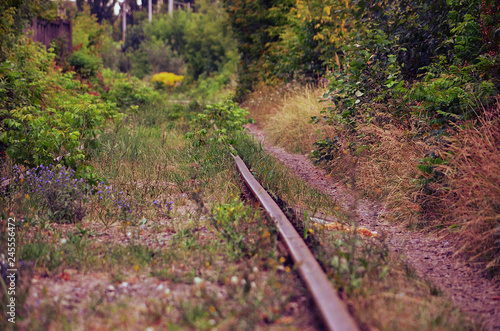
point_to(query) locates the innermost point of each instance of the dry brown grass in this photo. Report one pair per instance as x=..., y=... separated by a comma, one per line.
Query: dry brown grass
x=387, y=151
x=472, y=197
x=284, y=115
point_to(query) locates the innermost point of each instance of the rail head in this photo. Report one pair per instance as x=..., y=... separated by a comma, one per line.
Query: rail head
x=332, y=309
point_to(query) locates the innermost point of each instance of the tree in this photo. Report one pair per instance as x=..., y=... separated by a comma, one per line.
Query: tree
x=15, y=15
x=103, y=9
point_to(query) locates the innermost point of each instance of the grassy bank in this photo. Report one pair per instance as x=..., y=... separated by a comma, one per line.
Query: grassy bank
x=380, y=288
x=170, y=239
x=434, y=179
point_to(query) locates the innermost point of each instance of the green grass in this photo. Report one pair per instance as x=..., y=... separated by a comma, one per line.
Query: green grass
x=212, y=260
x=215, y=258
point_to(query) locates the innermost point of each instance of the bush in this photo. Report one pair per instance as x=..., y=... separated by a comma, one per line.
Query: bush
x=85, y=65
x=220, y=122
x=47, y=116
x=127, y=91
x=167, y=79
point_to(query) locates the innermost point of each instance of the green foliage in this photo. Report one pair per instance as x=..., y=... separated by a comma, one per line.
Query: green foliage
x=127, y=91
x=449, y=92
x=428, y=167
x=252, y=23
x=14, y=15
x=196, y=42
x=85, y=65
x=93, y=45
x=227, y=219
x=378, y=50
x=154, y=56
x=219, y=122
x=47, y=116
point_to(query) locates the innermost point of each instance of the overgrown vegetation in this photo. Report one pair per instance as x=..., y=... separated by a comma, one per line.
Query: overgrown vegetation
x=402, y=76
x=198, y=45
x=129, y=210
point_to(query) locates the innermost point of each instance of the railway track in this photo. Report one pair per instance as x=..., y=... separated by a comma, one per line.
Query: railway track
x=332, y=309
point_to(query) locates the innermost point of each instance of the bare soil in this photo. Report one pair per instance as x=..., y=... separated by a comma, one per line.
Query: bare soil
x=432, y=257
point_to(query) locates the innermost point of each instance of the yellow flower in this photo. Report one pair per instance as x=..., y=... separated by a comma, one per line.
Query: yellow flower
x=207, y=264
x=282, y=259
x=211, y=309
x=136, y=268
x=27, y=196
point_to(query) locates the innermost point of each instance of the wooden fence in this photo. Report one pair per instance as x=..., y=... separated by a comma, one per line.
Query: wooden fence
x=60, y=31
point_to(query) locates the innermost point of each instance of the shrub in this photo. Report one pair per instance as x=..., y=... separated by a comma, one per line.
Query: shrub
x=127, y=91
x=220, y=122
x=47, y=116
x=167, y=79
x=85, y=65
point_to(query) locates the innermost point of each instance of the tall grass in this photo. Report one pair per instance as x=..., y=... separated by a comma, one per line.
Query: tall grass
x=285, y=116
x=462, y=193
x=291, y=128
x=471, y=198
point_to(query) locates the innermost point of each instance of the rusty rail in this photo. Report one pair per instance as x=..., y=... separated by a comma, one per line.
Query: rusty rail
x=332, y=309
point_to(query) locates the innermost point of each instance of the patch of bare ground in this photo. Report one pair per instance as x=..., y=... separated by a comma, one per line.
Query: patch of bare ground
x=431, y=257
x=159, y=297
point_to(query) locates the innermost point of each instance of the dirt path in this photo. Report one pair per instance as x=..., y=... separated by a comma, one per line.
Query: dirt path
x=430, y=256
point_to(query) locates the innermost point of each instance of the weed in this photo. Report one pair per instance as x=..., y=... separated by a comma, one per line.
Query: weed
x=53, y=193
x=110, y=206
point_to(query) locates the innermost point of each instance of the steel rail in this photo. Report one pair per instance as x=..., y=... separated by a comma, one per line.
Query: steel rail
x=332, y=309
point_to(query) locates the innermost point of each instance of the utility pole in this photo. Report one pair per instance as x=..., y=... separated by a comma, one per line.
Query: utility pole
x=124, y=19
x=171, y=7
x=150, y=10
